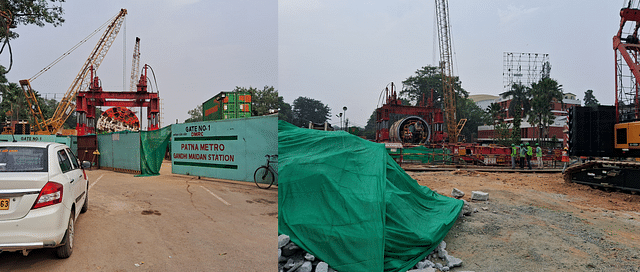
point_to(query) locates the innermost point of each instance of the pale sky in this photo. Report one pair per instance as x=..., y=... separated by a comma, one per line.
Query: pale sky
x=196, y=48
x=344, y=53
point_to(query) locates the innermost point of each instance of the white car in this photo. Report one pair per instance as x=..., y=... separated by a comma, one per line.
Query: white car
x=43, y=189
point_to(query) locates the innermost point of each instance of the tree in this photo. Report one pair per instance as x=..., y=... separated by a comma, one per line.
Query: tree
x=518, y=107
x=495, y=114
x=284, y=110
x=419, y=87
x=196, y=115
x=307, y=109
x=26, y=12
x=590, y=100
x=370, y=128
x=262, y=101
x=467, y=109
x=543, y=94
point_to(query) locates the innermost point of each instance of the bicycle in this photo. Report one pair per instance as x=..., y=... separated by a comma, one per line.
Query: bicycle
x=265, y=175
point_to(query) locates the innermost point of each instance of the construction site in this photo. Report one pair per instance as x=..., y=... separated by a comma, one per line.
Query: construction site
x=345, y=207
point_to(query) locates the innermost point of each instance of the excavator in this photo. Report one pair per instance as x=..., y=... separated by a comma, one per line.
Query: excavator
x=53, y=125
x=607, y=138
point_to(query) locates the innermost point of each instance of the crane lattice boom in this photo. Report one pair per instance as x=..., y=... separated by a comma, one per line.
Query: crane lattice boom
x=135, y=66
x=444, y=38
x=80, y=82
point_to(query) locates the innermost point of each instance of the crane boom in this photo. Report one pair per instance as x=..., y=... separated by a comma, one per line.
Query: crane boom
x=444, y=38
x=135, y=66
x=80, y=82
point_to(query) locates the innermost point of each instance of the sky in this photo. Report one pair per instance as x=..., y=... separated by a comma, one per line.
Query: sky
x=344, y=53
x=196, y=49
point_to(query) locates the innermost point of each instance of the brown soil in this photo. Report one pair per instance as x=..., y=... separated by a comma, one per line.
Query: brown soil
x=539, y=222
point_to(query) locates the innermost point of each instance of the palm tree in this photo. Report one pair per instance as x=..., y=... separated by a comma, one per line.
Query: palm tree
x=543, y=93
x=518, y=107
x=520, y=103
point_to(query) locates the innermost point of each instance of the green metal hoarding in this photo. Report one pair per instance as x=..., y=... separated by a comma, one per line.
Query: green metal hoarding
x=227, y=149
x=227, y=105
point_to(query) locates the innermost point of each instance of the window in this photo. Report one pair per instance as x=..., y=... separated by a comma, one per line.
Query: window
x=74, y=159
x=23, y=159
x=65, y=162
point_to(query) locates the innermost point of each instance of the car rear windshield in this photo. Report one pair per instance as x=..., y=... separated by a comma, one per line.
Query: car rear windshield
x=23, y=159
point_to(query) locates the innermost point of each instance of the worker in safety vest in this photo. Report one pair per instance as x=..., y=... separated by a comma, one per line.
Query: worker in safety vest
x=514, y=154
x=539, y=155
x=523, y=153
x=529, y=154
x=565, y=156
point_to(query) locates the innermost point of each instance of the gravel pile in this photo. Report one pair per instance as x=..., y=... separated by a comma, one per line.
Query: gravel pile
x=292, y=258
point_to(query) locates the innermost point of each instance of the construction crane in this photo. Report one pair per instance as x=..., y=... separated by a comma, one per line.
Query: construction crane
x=80, y=82
x=135, y=66
x=446, y=66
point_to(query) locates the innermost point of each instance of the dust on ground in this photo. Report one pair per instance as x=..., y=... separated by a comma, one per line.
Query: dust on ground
x=539, y=222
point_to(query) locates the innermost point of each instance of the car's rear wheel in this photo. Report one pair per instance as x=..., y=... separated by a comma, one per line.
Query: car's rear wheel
x=85, y=206
x=66, y=249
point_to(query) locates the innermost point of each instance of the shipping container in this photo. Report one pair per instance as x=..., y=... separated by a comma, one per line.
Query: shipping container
x=227, y=105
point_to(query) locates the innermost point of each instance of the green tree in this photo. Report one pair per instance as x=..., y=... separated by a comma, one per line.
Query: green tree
x=467, y=109
x=307, y=109
x=495, y=114
x=196, y=115
x=26, y=12
x=502, y=135
x=419, y=86
x=543, y=94
x=370, y=129
x=518, y=107
x=590, y=100
x=284, y=110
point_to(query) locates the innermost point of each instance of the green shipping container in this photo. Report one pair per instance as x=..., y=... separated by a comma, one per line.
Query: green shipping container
x=227, y=105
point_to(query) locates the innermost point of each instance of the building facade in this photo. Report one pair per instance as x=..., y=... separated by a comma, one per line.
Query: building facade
x=529, y=132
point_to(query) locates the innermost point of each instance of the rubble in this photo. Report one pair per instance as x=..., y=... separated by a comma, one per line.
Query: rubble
x=480, y=196
x=299, y=260
x=456, y=193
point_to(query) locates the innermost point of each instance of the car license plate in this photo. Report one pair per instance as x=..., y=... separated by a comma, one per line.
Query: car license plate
x=4, y=204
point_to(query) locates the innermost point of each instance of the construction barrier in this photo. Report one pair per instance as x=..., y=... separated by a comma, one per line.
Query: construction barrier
x=227, y=149
x=120, y=151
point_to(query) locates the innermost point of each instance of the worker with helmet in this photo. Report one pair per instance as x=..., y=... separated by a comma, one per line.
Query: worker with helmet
x=539, y=156
x=565, y=156
x=514, y=154
x=529, y=154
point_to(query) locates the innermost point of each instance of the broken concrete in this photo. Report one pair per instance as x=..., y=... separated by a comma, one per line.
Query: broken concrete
x=479, y=196
x=456, y=193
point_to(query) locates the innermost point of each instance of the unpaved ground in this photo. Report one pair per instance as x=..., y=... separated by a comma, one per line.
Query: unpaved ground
x=166, y=223
x=538, y=222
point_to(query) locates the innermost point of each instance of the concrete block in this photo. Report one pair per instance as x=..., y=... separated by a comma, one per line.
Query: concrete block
x=305, y=267
x=453, y=261
x=322, y=267
x=283, y=240
x=480, y=196
x=456, y=193
x=309, y=257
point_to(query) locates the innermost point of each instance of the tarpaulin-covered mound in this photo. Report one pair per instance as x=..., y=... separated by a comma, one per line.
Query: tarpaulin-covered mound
x=345, y=200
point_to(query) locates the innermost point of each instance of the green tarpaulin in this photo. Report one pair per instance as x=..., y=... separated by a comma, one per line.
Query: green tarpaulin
x=345, y=200
x=153, y=146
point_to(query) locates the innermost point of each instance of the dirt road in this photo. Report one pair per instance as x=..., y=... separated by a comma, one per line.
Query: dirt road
x=166, y=223
x=538, y=222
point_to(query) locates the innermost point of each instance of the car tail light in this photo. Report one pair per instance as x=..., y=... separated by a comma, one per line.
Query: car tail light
x=50, y=194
